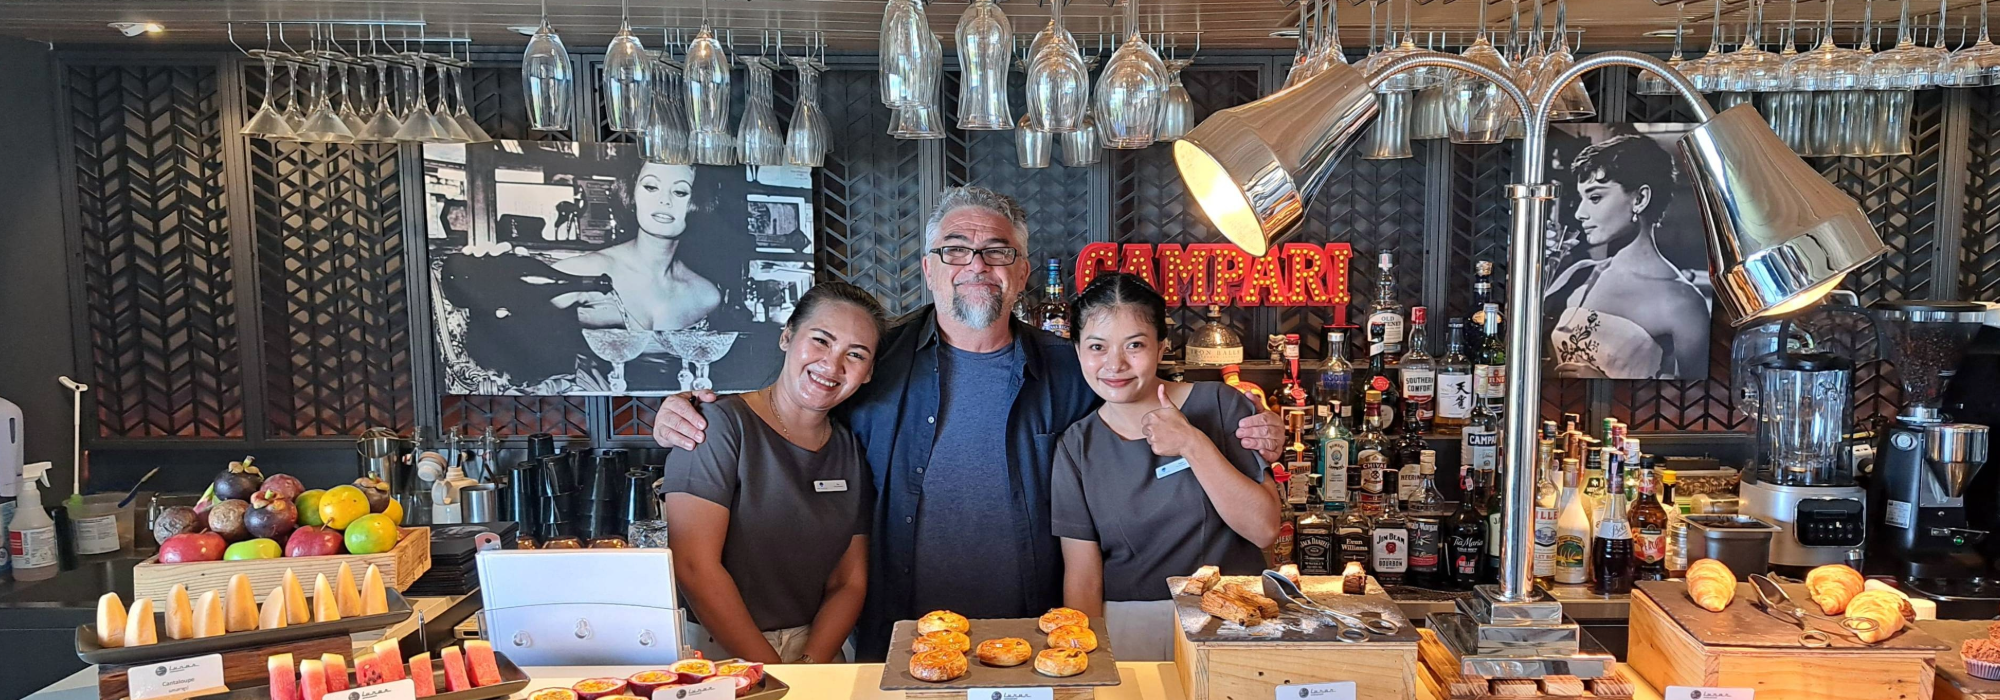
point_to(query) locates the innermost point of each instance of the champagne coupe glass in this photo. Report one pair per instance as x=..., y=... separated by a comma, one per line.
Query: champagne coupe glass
x=1410, y=79
x=1475, y=112
x=911, y=56
x=666, y=138
x=267, y=123
x=1701, y=71
x=324, y=126
x=547, y=79
x=382, y=123
x=803, y=144
x=1977, y=65
x=628, y=80
x=617, y=346
x=474, y=133
x=758, y=140
x=1908, y=66
x=1126, y=103
x=1176, y=106
x=707, y=80
x=1058, y=84
x=699, y=347
x=1651, y=83
x=985, y=43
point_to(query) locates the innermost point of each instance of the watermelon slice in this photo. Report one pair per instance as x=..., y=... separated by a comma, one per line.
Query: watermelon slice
x=422, y=675
x=284, y=677
x=389, y=656
x=368, y=671
x=480, y=663
x=454, y=670
x=336, y=672
x=312, y=679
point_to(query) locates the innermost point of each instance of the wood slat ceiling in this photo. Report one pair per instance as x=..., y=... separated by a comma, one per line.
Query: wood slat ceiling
x=853, y=24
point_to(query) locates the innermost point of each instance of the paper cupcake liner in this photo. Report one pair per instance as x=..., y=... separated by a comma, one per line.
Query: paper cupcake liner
x=1988, y=670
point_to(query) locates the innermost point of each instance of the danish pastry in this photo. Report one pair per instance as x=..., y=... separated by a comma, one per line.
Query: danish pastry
x=942, y=640
x=1006, y=651
x=1076, y=637
x=1061, y=663
x=942, y=620
x=937, y=666
x=1057, y=617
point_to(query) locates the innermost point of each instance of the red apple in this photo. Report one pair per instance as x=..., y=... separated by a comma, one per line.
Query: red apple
x=314, y=541
x=192, y=546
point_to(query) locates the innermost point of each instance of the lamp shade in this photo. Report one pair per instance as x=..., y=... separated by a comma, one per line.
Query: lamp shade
x=1779, y=235
x=1252, y=167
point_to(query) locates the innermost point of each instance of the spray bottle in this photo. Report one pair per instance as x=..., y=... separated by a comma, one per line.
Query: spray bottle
x=11, y=429
x=31, y=536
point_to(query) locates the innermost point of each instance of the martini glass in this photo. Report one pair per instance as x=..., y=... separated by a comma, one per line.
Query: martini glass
x=617, y=346
x=382, y=123
x=700, y=348
x=268, y=123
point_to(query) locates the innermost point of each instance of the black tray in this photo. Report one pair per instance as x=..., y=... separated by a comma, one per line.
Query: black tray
x=88, y=650
x=512, y=680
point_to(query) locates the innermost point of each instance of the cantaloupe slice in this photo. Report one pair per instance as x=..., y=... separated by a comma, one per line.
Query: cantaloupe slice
x=180, y=613
x=326, y=606
x=110, y=621
x=273, y=615
x=297, y=612
x=239, y=604
x=348, y=596
x=139, y=629
x=209, y=618
x=374, y=592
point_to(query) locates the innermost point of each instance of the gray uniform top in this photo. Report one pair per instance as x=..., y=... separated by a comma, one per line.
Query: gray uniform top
x=1104, y=490
x=792, y=511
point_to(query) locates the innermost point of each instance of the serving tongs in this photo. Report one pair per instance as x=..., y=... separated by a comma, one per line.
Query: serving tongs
x=1772, y=598
x=1351, y=627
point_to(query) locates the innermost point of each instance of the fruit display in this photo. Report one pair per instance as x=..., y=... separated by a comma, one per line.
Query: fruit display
x=744, y=674
x=246, y=515
x=236, y=608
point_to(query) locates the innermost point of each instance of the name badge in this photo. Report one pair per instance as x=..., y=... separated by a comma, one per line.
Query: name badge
x=177, y=679
x=718, y=688
x=1682, y=692
x=1337, y=690
x=830, y=486
x=1169, y=469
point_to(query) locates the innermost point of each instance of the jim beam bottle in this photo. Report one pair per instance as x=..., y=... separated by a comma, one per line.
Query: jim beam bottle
x=1391, y=539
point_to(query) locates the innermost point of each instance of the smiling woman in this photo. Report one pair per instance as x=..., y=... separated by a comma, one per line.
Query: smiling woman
x=658, y=289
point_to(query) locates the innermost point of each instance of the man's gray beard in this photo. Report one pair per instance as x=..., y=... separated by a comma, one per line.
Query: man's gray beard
x=976, y=313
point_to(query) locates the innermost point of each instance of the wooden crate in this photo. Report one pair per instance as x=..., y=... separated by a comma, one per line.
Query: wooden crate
x=1665, y=653
x=1250, y=669
x=401, y=567
x=1953, y=682
x=1439, y=673
x=242, y=668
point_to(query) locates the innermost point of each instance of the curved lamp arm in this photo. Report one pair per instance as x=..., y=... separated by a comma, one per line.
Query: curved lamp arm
x=1428, y=59
x=1538, y=127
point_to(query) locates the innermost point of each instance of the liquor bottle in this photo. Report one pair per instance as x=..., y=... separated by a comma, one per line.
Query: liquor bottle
x=1419, y=377
x=1336, y=374
x=1170, y=346
x=1053, y=313
x=1482, y=294
x=1385, y=318
x=1489, y=369
x=1282, y=548
x=1233, y=376
x=1593, y=483
x=1479, y=442
x=1215, y=343
x=1649, y=529
x=1428, y=512
x=1350, y=529
x=1547, y=505
x=1410, y=448
x=1371, y=456
x=1453, y=395
x=1336, y=450
x=1611, y=548
x=1494, y=509
x=1298, y=461
x=1380, y=377
x=1572, y=531
x=1391, y=538
x=1468, y=536
x=1314, y=543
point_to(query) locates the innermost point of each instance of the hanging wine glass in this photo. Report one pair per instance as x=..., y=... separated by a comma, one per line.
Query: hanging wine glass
x=1126, y=104
x=758, y=140
x=985, y=41
x=1907, y=66
x=1573, y=102
x=1081, y=148
x=707, y=80
x=267, y=123
x=474, y=133
x=1176, y=106
x=1033, y=148
x=382, y=123
x=911, y=56
x=1651, y=83
x=665, y=140
x=1751, y=68
x=547, y=79
x=1302, y=57
x=1326, y=43
x=803, y=145
x=1977, y=65
x=1058, y=84
x=324, y=125
x=628, y=80
x=1475, y=111
x=922, y=122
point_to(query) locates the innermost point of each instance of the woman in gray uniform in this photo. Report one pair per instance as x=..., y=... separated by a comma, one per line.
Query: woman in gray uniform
x=1154, y=483
x=768, y=518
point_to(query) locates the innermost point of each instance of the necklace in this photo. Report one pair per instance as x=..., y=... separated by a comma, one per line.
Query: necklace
x=771, y=399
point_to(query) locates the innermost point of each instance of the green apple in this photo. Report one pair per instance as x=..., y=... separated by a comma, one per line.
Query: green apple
x=260, y=548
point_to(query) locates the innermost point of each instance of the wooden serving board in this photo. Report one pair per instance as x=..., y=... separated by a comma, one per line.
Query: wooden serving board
x=401, y=566
x=1666, y=651
x=1743, y=624
x=1101, y=671
x=1953, y=682
x=241, y=668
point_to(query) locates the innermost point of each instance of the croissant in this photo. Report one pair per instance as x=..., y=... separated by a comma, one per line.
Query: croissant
x=1832, y=586
x=1889, y=611
x=1711, y=584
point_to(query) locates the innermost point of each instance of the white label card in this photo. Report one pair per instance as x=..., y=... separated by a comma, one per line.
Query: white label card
x=1165, y=470
x=177, y=678
x=1337, y=690
x=1010, y=694
x=830, y=486
x=715, y=689
x=405, y=689
x=1682, y=692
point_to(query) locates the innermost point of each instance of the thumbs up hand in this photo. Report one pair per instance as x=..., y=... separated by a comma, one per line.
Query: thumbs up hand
x=1168, y=431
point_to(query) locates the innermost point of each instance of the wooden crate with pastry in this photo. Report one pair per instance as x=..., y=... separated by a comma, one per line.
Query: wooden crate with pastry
x=1714, y=631
x=1236, y=642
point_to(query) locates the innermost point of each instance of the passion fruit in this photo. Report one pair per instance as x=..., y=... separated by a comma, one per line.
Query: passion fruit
x=553, y=694
x=693, y=668
x=594, y=688
x=742, y=669
x=644, y=683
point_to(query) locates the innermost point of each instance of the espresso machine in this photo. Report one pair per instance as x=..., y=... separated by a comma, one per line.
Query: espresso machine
x=1924, y=462
x=1795, y=382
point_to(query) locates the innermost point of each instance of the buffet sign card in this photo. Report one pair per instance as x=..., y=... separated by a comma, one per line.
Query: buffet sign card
x=719, y=688
x=405, y=689
x=180, y=678
x=1682, y=692
x=1010, y=694
x=1336, y=690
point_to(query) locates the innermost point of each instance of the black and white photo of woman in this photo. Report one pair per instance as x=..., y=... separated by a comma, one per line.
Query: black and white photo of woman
x=1622, y=306
x=659, y=286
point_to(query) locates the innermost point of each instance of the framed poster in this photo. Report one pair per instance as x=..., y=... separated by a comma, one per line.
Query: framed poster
x=581, y=268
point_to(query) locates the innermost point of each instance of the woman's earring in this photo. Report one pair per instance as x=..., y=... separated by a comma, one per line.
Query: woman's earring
x=1635, y=216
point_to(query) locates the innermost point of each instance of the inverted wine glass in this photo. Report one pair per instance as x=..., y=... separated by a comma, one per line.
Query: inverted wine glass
x=547, y=80
x=985, y=45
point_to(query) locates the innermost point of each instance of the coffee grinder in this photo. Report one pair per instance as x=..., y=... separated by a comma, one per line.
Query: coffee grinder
x=1799, y=403
x=1922, y=462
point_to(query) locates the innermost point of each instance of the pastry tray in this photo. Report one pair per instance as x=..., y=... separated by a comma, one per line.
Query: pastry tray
x=1291, y=625
x=88, y=650
x=1743, y=624
x=1102, y=669
x=512, y=680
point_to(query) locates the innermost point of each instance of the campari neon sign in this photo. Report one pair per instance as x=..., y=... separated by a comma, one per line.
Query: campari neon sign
x=1221, y=274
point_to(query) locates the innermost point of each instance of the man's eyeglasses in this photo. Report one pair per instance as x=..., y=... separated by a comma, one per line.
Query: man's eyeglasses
x=961, y=255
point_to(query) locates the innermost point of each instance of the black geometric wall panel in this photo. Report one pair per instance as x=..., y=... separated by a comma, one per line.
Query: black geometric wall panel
x=493, y=96
x=160, y=302
x=870, y=198
x=632, y=416
x=1056, y=198
x=516, y=416
x=1979, y=263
